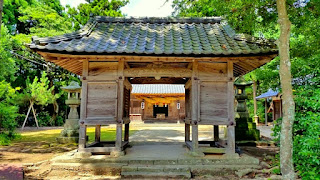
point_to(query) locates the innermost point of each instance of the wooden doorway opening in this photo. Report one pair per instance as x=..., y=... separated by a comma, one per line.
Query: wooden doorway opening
x=160, y=112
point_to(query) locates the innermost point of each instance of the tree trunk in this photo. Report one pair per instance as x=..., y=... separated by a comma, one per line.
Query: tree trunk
x=1, y=10
x=255, y=101
x=286, y=161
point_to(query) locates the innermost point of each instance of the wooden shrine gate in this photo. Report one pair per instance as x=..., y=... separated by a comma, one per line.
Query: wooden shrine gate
x=110, y=54
x=107, y=84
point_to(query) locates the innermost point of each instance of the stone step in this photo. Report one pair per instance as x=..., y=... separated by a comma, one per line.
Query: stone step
x=158, y=175
x=112, y=169
x=155, y=168
x=181, y=168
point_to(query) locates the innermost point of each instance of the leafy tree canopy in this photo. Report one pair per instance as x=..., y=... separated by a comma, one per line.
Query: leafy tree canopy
x=39, y=91
x=81, y=14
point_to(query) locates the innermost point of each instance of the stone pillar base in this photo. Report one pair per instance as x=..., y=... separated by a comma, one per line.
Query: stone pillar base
x=70, y=133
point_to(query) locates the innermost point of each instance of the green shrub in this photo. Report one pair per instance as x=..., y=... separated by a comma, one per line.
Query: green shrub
x=44, y=119
x=59, y=121
x=306, y=132
x=8, y=112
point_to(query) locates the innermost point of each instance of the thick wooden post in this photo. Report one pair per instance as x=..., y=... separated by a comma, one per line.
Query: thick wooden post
x=187, y=132
x=97, y=133
x=83, y=106
x=119, y=137
x=216, y=133
x=195, y=140
x=120, y=105
x=231, y=124
x=126, y=132
x=195, y=105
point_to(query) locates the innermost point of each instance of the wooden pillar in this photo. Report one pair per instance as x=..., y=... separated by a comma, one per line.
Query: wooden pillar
x=187, y=132
x=126, y=132
x=216, y=133
x=119, y=137
x=195, y=140
x=231, y=124
x=266, y=112
x=120, y=104
x=195, y=105
x=83, y=106
x=97, y=133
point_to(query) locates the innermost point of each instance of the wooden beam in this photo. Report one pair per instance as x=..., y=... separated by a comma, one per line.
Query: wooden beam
x=127, y=84
x=131, y=58
x=161, y=72
x=126, y=65
x=188, y=84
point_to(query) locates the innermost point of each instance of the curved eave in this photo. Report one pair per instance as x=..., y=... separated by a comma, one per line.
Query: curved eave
x=73, y=62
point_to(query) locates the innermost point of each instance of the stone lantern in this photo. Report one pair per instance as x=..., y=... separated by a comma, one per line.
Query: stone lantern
x=245, y=128
x=70, y=133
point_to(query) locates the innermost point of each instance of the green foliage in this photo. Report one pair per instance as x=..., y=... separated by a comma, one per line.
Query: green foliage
x=81, y=14
x=259, y=18
x=8, y=112
x=39, y=91
x=45, y=21
x=306, y=131
x=44, y=118
x=7, y=62
x=11, y=12
x=53, y=4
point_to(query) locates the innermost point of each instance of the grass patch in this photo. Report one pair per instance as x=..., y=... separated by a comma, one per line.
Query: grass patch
x=44, y=141
x=107, y=134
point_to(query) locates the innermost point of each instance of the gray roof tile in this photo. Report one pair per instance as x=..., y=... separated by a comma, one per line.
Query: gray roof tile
x=169, y=36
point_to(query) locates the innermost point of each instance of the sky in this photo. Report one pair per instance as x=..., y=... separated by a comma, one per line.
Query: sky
x=137, y=8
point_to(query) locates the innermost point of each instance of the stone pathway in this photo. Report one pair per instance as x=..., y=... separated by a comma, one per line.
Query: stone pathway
x=167, y=133
x=266, y=131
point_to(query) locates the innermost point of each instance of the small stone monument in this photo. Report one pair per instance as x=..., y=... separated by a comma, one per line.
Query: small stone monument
x=245, y=129
x=70, y=133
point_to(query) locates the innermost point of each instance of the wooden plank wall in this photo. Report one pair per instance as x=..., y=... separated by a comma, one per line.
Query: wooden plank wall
x=102, y=87
x=214, y=103
x=102, y=99
x=213, y=93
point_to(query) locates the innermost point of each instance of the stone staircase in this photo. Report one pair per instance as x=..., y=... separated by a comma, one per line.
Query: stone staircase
x=155, y=171
x=186, y=168
x=146, y=167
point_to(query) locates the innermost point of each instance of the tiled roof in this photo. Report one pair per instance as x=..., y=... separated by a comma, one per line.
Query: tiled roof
x=155, y=36
x=158, y=89
x=270, y=93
